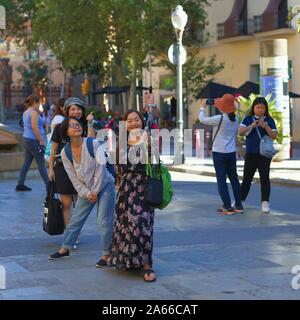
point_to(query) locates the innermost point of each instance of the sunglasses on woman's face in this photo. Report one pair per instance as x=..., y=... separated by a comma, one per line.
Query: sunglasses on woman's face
x=75, y=125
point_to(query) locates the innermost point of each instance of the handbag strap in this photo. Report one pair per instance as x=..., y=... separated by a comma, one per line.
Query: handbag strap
x=148, y=153
x=219, y=126
x=50, y=193
x=257, y=130
x=148, y=164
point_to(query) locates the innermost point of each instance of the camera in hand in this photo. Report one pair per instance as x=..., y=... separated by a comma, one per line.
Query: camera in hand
x=210, y=102
x=41, y=149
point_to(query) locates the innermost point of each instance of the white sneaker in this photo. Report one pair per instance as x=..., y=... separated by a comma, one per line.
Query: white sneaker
x=265, y=206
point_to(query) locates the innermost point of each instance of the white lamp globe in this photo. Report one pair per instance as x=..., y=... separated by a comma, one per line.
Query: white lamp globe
x=179, y=18
x=296, y=8
x=296, y=22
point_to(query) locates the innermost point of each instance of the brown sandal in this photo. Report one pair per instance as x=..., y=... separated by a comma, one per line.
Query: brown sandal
x=148, y=272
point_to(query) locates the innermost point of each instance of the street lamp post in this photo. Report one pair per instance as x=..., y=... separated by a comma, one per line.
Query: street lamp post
x=179, y=20
x=2, y=27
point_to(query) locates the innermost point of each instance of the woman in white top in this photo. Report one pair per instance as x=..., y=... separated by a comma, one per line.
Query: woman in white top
x=224, y=151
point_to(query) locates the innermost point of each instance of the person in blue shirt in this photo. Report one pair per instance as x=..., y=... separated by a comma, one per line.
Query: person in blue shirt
x=34, y=142
x=259, y=118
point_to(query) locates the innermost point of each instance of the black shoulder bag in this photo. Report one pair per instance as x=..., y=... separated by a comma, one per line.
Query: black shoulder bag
x=153, y=188
x=53, y=221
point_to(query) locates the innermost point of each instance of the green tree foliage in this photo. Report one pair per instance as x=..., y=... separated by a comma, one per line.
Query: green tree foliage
x=74, y=31
x=115, y=36
x=35, y=76
x=18, y=16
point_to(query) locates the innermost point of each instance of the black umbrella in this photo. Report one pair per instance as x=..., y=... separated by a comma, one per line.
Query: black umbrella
x=293, y=95
x=116, y=90
x=215, y=90
x=110, y=90
x=247, y=88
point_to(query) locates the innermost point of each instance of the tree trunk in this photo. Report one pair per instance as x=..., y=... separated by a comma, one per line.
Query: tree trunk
x=62, y=89
x=124, y=102
x=132, y=93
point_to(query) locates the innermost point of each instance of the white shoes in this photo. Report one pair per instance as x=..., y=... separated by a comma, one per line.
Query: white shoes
x=265, y=207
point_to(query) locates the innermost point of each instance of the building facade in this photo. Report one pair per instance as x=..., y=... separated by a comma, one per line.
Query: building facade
x=236, y=28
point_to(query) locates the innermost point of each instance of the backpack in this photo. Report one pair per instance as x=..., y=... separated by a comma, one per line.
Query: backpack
x=90, y=147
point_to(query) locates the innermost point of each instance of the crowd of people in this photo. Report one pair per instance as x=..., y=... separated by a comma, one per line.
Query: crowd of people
x=78, y=168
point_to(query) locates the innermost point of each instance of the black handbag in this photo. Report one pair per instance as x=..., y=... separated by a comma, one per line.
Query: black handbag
x=53, y=221
x=153, y=191
x=153, y=187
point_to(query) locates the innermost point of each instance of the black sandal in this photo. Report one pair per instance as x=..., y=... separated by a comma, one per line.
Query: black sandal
x=148, y=272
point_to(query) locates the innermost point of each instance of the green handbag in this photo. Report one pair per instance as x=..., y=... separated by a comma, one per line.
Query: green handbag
x=160, y=172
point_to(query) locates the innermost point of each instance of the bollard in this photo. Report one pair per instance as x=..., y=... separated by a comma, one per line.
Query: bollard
x=2, y=278
x=109, y=140
x=197, y=134
x=207, y=137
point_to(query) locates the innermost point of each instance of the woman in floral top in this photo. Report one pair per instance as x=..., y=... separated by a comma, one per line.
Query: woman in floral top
x=133, y=231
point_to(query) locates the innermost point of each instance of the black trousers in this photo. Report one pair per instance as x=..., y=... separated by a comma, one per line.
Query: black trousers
x=252, y=163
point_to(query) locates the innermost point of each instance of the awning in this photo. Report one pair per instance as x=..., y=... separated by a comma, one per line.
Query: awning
x=230, y=23
x=270, y=15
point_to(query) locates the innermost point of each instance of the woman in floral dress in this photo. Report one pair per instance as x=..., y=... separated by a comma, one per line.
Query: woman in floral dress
x=133, y=231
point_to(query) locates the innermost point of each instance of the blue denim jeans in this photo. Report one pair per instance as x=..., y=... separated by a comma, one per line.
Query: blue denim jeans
x=225, y=166
x=31, y=151
x=105, y=218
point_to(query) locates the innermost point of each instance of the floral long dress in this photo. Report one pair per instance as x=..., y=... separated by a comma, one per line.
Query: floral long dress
x=133, y=231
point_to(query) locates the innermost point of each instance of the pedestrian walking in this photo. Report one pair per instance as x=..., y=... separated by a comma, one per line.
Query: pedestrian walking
x=58, y=116
x=224, y=151
x=94, y=185
x=47, y=116
x=72, y=107
x=258, y=121
x=34, y=142
x=133, y=230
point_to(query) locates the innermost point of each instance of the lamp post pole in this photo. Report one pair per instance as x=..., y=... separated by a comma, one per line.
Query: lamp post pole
x=179, y=20
x=179, y=150
x=2, y=27
x=2, y=114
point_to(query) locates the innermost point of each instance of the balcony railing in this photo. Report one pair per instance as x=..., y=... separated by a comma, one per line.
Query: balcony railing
x=240, y=28
x=276, y=22
x=257, y=24
x=220, y=31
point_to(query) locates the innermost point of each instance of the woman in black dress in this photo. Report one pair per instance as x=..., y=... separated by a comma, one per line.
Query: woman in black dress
x=133, y=231
x=73, y=107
